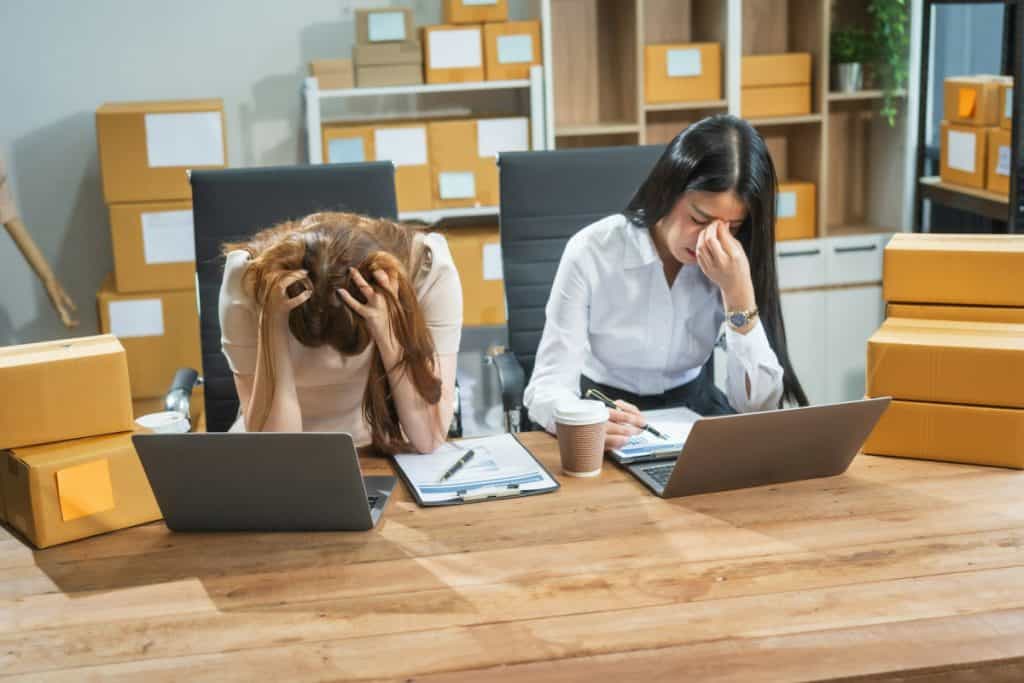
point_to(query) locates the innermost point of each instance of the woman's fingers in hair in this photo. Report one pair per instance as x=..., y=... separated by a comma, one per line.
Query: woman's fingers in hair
x=385, y=281
x=361, y=283
x=353, y=302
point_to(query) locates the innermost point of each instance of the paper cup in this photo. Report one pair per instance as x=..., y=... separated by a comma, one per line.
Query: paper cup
x=166, y=422
x=580, y=426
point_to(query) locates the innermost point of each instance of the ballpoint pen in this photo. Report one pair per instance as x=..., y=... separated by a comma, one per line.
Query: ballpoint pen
x=457, y=466
x=611, y=404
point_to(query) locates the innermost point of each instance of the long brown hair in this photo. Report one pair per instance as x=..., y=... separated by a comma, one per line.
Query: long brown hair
x=326, y=245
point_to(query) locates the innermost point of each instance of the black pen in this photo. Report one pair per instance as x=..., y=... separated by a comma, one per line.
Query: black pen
x=457, y=466
x=611, y=404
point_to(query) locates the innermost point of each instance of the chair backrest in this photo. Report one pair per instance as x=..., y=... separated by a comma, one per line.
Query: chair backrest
x=231, y=205
x=546, y=197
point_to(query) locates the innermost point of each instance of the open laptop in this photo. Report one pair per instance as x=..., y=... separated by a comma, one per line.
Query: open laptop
x=755, y=449
x=261, y=482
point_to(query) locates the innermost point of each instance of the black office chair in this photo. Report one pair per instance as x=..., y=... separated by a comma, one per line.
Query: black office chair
x=231, y=205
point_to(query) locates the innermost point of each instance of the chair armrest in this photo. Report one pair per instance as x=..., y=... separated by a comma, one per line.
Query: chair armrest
x=512, y=383
x=179, y=397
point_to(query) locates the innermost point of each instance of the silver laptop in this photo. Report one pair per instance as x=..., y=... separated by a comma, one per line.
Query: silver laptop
x=756, y=449
x=261, y=482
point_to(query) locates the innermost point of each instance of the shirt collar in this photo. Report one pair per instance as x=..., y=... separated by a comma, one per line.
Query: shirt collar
x=640, y=249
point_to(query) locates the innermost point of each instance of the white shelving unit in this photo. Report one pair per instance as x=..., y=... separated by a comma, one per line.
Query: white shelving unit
x=313, y=96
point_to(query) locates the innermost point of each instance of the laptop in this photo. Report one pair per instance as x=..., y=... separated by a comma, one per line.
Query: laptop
x=261, y=482
x=756, y=449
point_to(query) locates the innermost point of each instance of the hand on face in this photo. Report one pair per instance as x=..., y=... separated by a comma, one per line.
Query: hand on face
x=721, y=257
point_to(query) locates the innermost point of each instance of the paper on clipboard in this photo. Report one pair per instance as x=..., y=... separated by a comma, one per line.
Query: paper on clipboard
x=675, y=423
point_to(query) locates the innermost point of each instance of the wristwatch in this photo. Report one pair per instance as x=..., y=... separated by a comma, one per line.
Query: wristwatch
x=739, y=319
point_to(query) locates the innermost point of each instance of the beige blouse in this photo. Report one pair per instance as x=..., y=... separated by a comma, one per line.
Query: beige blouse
x=329, y=385
x=7, y=210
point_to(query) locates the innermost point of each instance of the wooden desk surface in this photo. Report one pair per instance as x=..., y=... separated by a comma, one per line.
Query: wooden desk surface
x=896, y=566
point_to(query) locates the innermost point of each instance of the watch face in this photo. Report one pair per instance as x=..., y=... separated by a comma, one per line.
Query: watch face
x=738, y=319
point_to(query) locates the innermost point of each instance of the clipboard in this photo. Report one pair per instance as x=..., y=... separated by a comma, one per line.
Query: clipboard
x=502, y=468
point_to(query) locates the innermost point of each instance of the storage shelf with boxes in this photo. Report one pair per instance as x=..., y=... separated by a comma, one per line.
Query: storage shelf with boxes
x=974, y=143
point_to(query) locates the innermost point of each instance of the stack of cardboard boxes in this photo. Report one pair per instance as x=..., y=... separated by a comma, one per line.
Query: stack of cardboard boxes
x=775, y=85
x=68, y=469
x=951, y=352
x=386, y=51
x=975, y=133
x=149, y=302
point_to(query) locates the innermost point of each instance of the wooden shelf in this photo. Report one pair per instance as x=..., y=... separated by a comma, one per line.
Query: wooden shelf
x=419, y=89
x=786, y=120
x=687, y=106
x=983, y=202
x=860, y=95
x=611, y=128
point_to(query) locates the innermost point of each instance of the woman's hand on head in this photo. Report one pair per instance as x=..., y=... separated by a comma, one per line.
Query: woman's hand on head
x=721, y=257
x=623, y=423
x=279, y=302
x=375, y=310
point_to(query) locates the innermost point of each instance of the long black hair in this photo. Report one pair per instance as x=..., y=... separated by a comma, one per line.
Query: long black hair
x=723, y=153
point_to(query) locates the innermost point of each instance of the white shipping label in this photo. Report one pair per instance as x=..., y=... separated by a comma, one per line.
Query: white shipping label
x=492, y=262
x=501, y=135
x=1008, y=104
x=185, y=139
x=345, y=151
x=136, y=318
x=683, y=63
x=516, y=49
x=458, y=185
x=785, y=205
x=456, y=49
x=401, y=146
x=960, y=150
x=1003, y=165
x=168, y=237
x=385, y=26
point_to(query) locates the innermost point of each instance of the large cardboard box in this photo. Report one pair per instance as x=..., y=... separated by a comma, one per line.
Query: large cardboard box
x=65, y=491
x=690, y=72
x=775, y=100
x=347, y=143
x=454, y=163
x=955, y=433
x=475, y=11
x=453, y=54
x=145, y=148
x=476, y=250
x=792, y=68
x=66, y=389
x=333, y=74
x=944, y=361
x=978, y=270
x=962, y=154
x=1006, y=105
x=159, y=331
x=796, y=211
x=384, y=25
x=154, y=246
x=494, y=136
x=997, y=174
x=972, y=100
x=978, y=314
x=385, y=76
x=510, y=49
x=388, y=64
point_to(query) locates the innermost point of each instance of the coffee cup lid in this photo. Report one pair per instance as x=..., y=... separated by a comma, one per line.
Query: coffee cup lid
x=580, y=412
x=166, y=422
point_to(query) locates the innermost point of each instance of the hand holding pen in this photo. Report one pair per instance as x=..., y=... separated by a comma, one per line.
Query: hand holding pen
x=630, y=412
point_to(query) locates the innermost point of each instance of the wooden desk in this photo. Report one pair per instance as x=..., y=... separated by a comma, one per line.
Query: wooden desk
x=897, y=566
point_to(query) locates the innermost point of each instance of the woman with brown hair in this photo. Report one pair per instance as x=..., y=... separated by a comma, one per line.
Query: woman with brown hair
x=344, y=323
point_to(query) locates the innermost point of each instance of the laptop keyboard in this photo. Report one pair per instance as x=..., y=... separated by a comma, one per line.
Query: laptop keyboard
x=372, y=500
x=660, y=473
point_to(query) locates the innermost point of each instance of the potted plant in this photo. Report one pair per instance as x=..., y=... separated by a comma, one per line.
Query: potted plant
x=851, y=50
x=891, y=28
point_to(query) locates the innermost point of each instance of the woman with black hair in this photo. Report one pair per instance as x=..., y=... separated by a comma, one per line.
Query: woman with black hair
x=639, y=297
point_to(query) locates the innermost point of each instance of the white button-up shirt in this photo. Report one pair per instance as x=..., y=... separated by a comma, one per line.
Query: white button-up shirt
x=612, y=316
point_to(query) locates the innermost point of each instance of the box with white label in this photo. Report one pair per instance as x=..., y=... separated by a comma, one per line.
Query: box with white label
x=683, y=73
x=154, y=246
x=146, y=148
x=453, y=54
x=494, y=136
x=475, y=11
x=159, y=332
x=510, y=49
x=384, y=25
x=1006, y=105
x=962, y=154
x=476, y=251
x=795, y=211
x=454, y=163
x=997, y=177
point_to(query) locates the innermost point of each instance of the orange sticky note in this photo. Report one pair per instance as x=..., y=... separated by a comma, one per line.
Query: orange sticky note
x=85, y=490
x=968, y=98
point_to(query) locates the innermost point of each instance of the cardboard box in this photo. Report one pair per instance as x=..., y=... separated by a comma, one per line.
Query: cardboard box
x=453, y=54
x=65, y=491
x=943, y=361
x=389, y=54
x=758, y=71
x=796, y=211
x=494, y=136
x=63, y=389
x=979, y=314
x=973, y=435
x=347, y=143
x=145, y=148
x=978, y=270
x=997, y=173
x=776, y=100
x=476, y=251
x=510, y=49
x=389, y=75
x=689, y=72
x=333, y=74
x=154, y=246
x=159, y=332
x=454, y=163
x=475, y=11
x=384, y=25
x=1006, y=105
x=962, y=154
x=407, y=145
x=972, y=100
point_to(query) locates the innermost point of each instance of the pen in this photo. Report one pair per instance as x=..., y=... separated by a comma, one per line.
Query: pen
x=457, y=466
x=611, y=404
